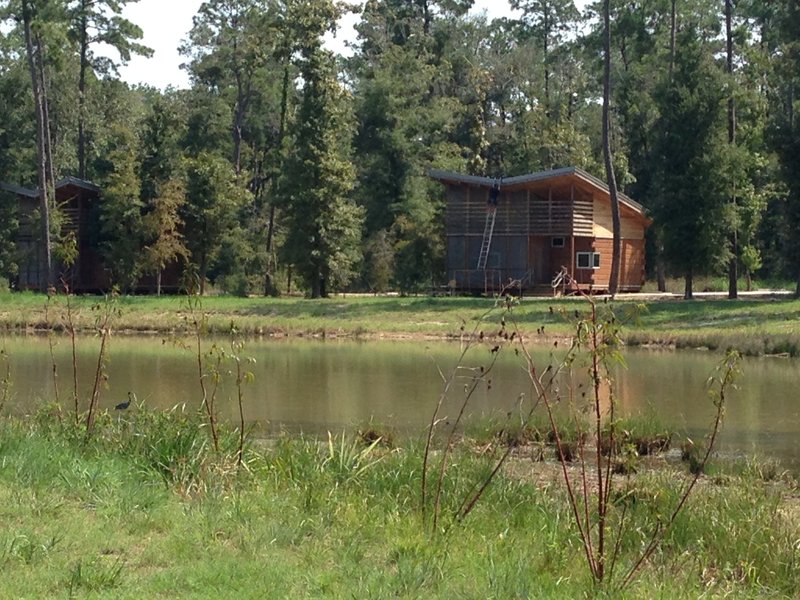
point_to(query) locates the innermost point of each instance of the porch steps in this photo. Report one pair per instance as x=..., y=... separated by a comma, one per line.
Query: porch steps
x=488, y=230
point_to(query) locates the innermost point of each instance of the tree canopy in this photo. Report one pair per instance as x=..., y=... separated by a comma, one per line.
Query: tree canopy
x=284, y=165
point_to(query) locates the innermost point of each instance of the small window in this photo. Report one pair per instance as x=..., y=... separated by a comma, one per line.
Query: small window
x=588, y=260
x=557, y=242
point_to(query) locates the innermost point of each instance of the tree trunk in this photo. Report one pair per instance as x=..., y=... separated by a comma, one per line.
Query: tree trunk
x=48, y=147
x=613, y=284
x=41, y=163
x=84, y=64
x=158, y=282
x=733, y=267
x=546, y=49
x=661, y=275
x=238, y=121
x=797, y=289
x=269, y=285
x=203, y=264
x=688, y=293
x=673, y=26
x=316, y=287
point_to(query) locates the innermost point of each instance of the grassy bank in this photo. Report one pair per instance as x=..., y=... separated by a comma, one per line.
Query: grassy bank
x=146, y=510
x=755, y=327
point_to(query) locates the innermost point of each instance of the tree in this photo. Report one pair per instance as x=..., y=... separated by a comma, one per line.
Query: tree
x=733, y=268
x=120, y=212
x=35, y=17
x=214, y=196
x=228, y=45
x=689, y=188
x=610, y=176
x=99, y=22
x=421, y=100
x=786, y=128
x=17, y=129
x=9, y=225
x=324, y=224
x=549, y=22
x=161, y=227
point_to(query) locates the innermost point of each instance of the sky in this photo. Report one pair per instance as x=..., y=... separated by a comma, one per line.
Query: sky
x=166, y=22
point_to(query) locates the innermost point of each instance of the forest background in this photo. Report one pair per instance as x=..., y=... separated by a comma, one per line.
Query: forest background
x=284, y=161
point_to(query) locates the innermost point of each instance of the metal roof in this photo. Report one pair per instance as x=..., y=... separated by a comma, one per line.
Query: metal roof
x=34, y=192
x=19, y=191
x=81, y=183
x=531, y=178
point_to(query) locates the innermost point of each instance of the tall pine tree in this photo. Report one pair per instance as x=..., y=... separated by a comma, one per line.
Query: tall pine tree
x=324, y=224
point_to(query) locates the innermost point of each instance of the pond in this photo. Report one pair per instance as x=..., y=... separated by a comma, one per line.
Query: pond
x=316, y=386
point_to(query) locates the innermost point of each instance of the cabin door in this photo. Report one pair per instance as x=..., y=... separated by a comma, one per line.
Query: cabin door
x=539, y=259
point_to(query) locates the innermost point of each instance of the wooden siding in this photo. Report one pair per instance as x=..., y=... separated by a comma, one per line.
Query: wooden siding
x=457, y=215
x=586, y=276
x=550, y=214
x=527, y=220
x=512, y=214
x=631, y=263
x=631, y=226
x=583, y=215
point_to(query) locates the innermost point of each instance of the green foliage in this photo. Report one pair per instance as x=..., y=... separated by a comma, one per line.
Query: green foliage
x=9, y=226
x=214, y=195
x=324, y=224
x=120, y=213
x=379, y=261
x=429, y=84
x=348, y=458
x=691, y=205
x=161, y=229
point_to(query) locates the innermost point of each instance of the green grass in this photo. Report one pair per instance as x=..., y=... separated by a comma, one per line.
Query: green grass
x=146, y=509
x=755, y=327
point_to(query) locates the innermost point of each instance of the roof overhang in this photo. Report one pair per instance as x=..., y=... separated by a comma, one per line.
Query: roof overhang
x=18, y=190
x=524, y=181
x=61, y=183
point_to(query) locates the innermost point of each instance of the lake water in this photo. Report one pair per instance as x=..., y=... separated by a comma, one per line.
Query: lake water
x=315, y=386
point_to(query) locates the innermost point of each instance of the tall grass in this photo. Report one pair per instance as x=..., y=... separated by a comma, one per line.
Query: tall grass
x=147, y=509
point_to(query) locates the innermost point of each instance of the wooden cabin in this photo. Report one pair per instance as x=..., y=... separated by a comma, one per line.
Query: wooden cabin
x=543, y=231
x=78, y=201
x=76, y=198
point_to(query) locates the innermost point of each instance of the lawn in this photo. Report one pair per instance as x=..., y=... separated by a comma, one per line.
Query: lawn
x=768, y=326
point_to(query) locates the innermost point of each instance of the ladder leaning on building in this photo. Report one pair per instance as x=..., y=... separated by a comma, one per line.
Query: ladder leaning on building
x=488, y=229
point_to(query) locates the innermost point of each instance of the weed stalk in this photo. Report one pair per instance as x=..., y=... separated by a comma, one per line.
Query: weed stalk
x=73, y=346
x=106, y=311
x=199, y=324
x=51, y=296
x=243, y=377
x=5, y=382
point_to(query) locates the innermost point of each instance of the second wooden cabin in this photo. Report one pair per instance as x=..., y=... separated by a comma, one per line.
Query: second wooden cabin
x=79, y=202
x=545, y=229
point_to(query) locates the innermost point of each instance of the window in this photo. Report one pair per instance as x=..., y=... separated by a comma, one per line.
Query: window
x=557, y=242
x=588, y=260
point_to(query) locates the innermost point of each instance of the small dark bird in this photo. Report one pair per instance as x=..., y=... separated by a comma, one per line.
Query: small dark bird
x=125, y=405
